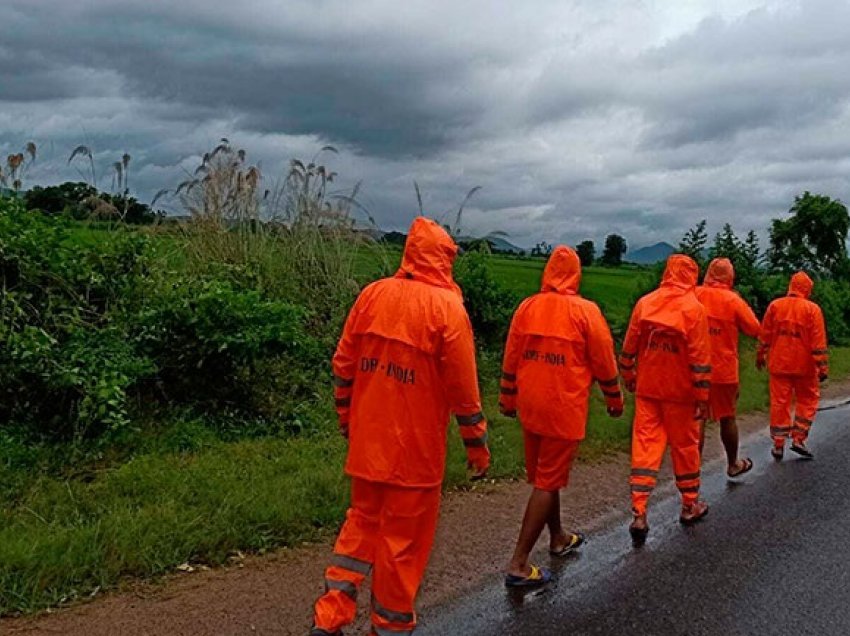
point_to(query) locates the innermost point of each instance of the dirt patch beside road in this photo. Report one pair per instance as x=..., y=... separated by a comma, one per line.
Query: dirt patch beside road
x=274, y=594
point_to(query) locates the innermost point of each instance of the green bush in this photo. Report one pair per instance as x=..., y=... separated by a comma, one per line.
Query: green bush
x=65, y=363
x=489, y=304
x=216, y=345
x=90, y=330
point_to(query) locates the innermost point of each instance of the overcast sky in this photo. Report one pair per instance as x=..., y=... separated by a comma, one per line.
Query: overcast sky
x=577, y=117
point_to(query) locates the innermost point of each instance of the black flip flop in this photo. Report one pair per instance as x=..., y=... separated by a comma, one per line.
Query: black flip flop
x=802, y=451
x=577, y=540
x=638, y=535
x=748, y=466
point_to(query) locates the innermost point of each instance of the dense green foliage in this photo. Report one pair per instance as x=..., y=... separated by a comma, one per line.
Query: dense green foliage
x=81, y=201
x=813, y=238
x=89, y=330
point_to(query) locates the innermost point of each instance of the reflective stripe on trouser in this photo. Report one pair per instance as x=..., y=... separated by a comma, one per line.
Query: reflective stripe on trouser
x=393, y=528
x=354, y=552
x=656, y=424
x=800, y=392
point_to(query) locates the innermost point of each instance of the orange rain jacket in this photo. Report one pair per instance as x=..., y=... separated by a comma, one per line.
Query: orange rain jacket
x=558, y=344
x=666, y=351
x=406, y=359
x=728, y=314
x=793, y=335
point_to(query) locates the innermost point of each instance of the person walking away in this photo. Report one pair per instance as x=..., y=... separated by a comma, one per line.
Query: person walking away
x=666, y=362
x=793, y=347
x=559, y=344
x=405, y=361
x=728, y=314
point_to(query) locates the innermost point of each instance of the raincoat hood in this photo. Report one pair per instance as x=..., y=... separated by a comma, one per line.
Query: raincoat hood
x=721, y=273
x=563, y=271
x=429, y=254
x=681, y=272
x=801, y=285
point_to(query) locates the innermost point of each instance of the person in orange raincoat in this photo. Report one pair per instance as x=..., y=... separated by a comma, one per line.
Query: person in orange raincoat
x=405, y=361
x=558, y=345
x=793, y=346
x=728, y=314
x=666, y=362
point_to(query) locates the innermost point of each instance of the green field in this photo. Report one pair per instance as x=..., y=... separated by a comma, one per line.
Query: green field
x=184, y=493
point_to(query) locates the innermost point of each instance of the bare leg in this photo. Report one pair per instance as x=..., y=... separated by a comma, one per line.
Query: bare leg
x=557, y=537
x=729, y=436
x=538, y=513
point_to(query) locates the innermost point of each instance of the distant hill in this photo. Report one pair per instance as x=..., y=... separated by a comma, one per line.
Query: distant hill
x=497, y=243
x=650, y=254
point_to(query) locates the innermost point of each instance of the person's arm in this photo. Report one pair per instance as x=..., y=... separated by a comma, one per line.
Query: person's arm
x=510, y=364
x=603, y=362
x=765, y=338
x=457, y=367
x=699, y=360
x=820, y=353
x=344, y=368
x=746, y=319
x=628, y=354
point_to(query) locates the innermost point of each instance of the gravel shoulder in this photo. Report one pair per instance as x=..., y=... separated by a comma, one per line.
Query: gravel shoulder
x=273, y=594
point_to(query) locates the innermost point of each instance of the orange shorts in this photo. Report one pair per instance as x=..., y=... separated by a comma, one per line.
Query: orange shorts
x=548, y=460
x=723, y=401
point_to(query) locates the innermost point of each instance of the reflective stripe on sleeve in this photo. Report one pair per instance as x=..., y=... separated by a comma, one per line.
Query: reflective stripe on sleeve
x=701, y=368
x=470, y=420
x=341, y=402
x=509, y=377
x=476, y=442
x=342, y=383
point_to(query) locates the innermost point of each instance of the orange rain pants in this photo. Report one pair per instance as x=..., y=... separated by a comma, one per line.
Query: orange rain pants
x=804, y=392
x=658, y=423
x=389, y=531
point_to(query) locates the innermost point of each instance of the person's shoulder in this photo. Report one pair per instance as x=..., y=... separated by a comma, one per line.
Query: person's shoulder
x=813, y=306
x=588, y=306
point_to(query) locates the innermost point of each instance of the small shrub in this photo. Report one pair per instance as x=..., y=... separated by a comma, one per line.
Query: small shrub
x=489, y=304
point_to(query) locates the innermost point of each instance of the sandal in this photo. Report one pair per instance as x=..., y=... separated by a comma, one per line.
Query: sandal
x=741, y=466
x=639, y=531
x=800, y=449
x=539, y=576
x=693, y=513
x=576, y=540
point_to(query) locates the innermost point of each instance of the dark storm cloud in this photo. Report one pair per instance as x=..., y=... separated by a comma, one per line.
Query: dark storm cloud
x=577, y=118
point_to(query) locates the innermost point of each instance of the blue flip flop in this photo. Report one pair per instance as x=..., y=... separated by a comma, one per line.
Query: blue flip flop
x=539, y=576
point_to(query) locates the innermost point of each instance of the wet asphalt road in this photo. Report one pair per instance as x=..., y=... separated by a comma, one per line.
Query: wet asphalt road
x=772, y=557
